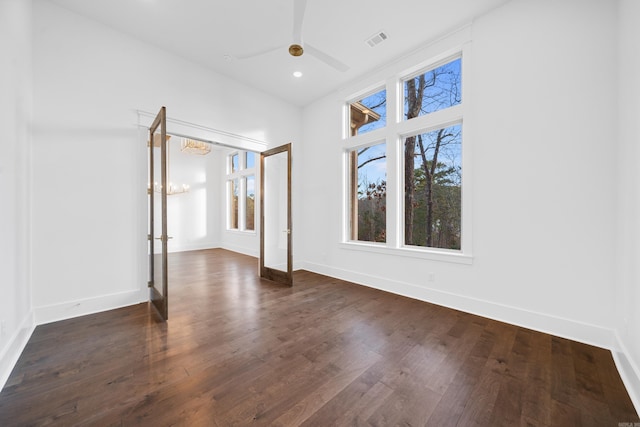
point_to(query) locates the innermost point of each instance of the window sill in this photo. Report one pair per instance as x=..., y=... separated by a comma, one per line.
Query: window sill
x=428, y=254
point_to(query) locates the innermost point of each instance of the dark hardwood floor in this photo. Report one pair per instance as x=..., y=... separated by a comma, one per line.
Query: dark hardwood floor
x=238, y=350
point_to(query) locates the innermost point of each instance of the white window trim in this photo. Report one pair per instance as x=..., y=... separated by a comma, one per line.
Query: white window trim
x=392, y=134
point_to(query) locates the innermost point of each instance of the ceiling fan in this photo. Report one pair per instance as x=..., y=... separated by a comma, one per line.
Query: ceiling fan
x=297, y=47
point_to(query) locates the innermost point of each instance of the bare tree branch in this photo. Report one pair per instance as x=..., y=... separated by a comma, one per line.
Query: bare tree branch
x=373, y=159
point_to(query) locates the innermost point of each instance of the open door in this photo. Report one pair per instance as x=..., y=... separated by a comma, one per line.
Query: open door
x=157, y=237
x=276, y=260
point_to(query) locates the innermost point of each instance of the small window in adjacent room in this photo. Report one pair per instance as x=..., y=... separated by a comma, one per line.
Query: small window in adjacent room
x=433, y=90
x=250, y=160
x=233, y=204
x=368, y=193
x=241, y=187
x=235, y=165
x=433, y=188
x=368, y=113
x=250, y=211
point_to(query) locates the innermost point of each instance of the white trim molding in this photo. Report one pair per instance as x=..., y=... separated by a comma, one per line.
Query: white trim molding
x=11, y=353
x=68, y=310
x=628, y=370
x=213, y=136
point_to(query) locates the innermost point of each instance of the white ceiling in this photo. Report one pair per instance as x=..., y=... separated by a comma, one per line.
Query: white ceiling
x=209, y=31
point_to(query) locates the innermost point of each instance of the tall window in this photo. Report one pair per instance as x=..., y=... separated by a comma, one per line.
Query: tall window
x=432, y=161
x=234, y=190
x=432, y=181
x=369, y=193
x=424, y=209
x=250, y=202
x=241, y=191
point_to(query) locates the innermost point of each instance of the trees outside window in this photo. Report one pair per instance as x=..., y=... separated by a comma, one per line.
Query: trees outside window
x=250, y=202
x=234, y=190
x=433, y=90
x=369, y=193
x=432, y=161
x=433, y=178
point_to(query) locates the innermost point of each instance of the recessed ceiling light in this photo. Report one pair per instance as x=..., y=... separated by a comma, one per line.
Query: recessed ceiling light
x=297, y=74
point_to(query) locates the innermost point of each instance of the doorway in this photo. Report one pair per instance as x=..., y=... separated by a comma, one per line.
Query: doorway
x=174, y=207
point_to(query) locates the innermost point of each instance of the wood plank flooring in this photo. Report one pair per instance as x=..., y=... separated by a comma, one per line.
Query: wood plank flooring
x=240, y=351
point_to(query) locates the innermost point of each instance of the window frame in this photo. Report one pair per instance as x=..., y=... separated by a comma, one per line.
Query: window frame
x=393, y=134
x=353, y=185
x=240, y=175
x=434, y=127
x=232, y=184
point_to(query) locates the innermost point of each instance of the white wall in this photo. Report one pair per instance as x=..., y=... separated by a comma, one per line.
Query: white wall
x=16, y=319
x=193, y=217
x=89, y=158
x=543, y=141
x=628, y=218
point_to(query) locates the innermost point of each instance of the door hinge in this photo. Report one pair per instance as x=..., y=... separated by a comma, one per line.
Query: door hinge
x=149, y=284
x=148, y=236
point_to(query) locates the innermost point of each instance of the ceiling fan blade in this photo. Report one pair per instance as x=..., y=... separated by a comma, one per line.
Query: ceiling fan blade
x=260, y=53
x=327, y=59
x=299, y=6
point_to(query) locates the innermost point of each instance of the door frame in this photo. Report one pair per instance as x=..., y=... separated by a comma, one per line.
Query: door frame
x=275, y=275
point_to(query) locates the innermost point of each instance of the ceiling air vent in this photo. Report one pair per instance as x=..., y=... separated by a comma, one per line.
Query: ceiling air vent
x=377, y=38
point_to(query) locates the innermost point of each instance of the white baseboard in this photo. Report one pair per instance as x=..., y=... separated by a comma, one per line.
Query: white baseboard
x=629, y=372
x=192, y=247
x=565, y=328
x=11, y=353
x=254, y=252
x=67, y=310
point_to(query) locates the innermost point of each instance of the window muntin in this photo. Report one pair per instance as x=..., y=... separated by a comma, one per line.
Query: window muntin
x=433, y=90
x=368, y=193
x=368, y=113
x=433, y=188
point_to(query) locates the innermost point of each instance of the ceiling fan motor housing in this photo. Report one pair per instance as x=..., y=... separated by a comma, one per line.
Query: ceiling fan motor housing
x=296, y=50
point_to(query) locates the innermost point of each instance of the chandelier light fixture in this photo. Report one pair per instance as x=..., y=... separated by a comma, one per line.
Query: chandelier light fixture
x=172, y=188
x=193, y=146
